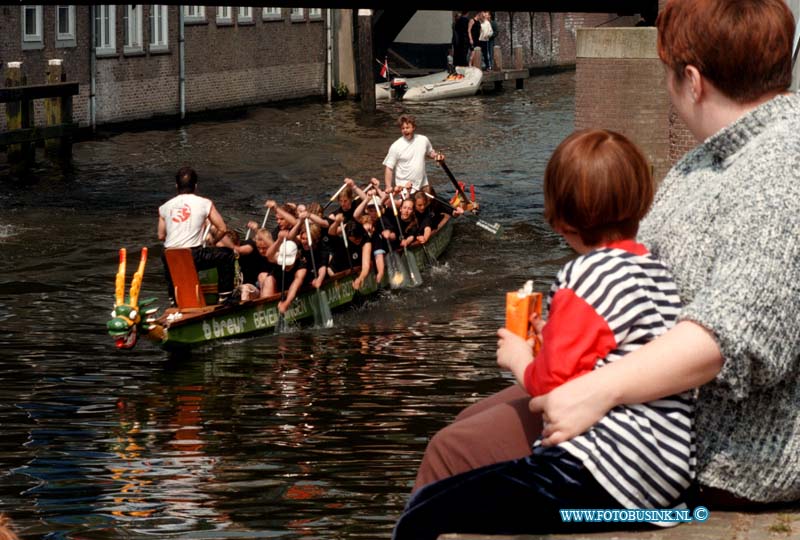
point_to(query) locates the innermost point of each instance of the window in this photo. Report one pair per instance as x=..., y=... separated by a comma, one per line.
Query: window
x=224, y=15
x=158, y=27
x=133, y=28
x=32, y=24
x=314, y=13
x=297, y=14
x=272, y=13
x=105, y=30
x=245, y=15
x=65, y=23
x=194, y=13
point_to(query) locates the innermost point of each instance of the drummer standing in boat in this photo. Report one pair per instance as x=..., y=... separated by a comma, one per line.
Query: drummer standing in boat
x=181, y=221
x=405, y=162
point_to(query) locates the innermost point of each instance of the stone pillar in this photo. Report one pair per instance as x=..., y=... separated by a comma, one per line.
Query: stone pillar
x=475, y=58
x=621, y=85
x=519, y=58
x=498, y=58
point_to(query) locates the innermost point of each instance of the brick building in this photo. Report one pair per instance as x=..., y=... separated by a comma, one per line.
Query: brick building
x=232, y=56
x=549, y=39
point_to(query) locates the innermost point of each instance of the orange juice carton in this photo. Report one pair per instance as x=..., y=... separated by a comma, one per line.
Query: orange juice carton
x=520, y=305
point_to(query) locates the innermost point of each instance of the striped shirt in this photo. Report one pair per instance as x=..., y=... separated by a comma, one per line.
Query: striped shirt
x=604, y=305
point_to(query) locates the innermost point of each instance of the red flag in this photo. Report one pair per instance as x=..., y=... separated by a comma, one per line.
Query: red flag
x=385, y=69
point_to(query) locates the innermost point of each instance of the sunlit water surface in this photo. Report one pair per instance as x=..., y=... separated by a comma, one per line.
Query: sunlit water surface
x=312, y=434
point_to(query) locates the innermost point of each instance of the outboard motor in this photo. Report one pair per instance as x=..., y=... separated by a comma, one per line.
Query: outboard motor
x=399, y=87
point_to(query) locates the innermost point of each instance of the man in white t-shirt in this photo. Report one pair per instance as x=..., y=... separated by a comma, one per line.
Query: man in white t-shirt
x=405, y=162
x=181, y=222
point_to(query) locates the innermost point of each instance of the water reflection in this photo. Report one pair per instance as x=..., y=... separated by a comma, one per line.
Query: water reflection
x=312, y=433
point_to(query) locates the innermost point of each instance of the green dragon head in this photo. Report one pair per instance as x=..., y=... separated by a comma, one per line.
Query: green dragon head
x=127, y=321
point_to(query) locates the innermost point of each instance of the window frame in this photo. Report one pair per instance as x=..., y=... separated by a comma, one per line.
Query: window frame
x=126, y=21
x=199, y=16
x=67, y=39
x=159, y=20
x=272, y=15
x=244, y=19
x=109, y=46
x=36, y=40
x=315, y=14
x=297, y=14
x=223, y=20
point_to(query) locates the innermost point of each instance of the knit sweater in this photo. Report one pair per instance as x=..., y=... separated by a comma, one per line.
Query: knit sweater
x=726, y=220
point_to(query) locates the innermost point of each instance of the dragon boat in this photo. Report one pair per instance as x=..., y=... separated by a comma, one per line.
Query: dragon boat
x=195, y=320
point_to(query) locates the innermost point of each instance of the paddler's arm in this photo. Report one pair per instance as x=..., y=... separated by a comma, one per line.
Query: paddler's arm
x=216, y=220
x=299, y=276
x=388, y=176
x=366, y=264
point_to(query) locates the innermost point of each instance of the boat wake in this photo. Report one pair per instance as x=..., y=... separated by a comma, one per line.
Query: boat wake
x=8, y=231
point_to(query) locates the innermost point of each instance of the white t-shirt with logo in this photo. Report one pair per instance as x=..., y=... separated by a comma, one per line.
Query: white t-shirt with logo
x=407, y=158
x=185, y=216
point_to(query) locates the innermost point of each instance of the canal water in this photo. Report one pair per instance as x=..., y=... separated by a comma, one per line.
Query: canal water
x=310, y=434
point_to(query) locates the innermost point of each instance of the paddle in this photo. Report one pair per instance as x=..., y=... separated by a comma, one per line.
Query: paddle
x=346, y=246
x=205, y=233
x=413, y=269
x=322, y=313
x=281, y=325
x=493, y=228
x=452, y=178
x=263, y=224
x=431, y=259
x=333, y=197
x=398, y=275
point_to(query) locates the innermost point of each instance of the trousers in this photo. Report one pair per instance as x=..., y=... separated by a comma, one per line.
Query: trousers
x=521, y=496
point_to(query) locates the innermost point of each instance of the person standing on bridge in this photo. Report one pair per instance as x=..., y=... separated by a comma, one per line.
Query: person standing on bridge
x=405, y=162
x=461, y=48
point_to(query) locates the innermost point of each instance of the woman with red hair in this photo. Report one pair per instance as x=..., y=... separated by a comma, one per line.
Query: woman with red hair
x=725, y=221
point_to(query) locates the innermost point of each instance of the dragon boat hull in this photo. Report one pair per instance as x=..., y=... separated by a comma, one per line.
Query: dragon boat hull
x=181, y=329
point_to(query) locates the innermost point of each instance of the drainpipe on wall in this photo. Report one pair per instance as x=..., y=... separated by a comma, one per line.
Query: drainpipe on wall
x=92, y=71
x=182, y=61
x=329, y=53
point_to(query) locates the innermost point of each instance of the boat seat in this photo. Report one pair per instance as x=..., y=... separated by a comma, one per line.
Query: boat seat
x=188, y=291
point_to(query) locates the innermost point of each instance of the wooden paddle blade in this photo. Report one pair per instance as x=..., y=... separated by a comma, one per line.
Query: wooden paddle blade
x=493, y=228
x=430, y=258
x=397, y=273
x=282, y=326
x=413, y=270
x=326, y=317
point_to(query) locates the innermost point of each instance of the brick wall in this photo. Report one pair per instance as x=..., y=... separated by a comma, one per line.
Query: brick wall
x=34, y=61
x=226, y=65
x=138, y=85
x=620, y=85
x=548, y=39
x=681, y=139
x=242, y=64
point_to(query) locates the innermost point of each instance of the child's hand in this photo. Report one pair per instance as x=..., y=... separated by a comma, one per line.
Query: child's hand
x=537, y=325
x=514, y=353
